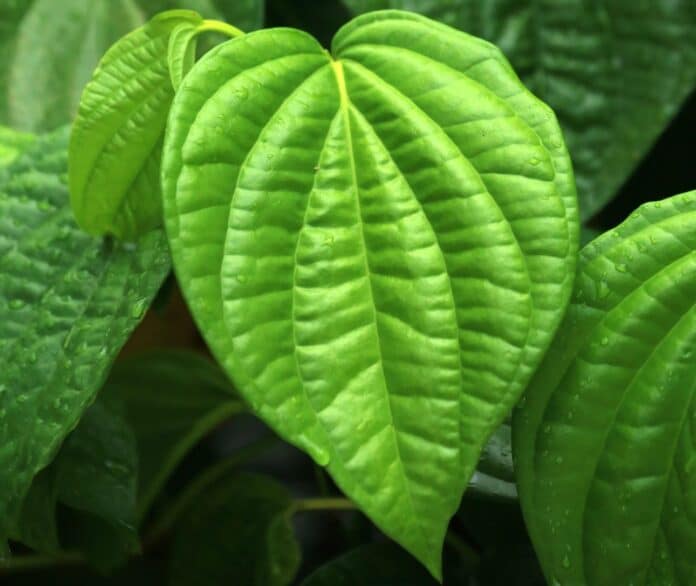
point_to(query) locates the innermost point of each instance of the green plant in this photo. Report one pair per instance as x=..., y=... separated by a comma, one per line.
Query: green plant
x=379, y=245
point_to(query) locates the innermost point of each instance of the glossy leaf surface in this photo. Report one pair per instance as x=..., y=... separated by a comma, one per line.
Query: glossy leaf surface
x=56, y=49
x=239, y=533
x=67, y=304
x=377, y=246
x=116, y=141
x=171, y=400
x=614, y=72
x=604, y=442
x=383, y=563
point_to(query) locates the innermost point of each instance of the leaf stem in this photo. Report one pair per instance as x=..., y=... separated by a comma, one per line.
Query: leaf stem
x=25, y=563
x=324, y=504
x=218, y=26
x=209, y=476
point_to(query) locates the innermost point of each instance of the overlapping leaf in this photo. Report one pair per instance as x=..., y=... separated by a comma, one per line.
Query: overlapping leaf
x=170, y=399
x=605, y=443
x=239, y=533
x=614, y=72
x=67, y=304
x=116, y=141
x=377, y=246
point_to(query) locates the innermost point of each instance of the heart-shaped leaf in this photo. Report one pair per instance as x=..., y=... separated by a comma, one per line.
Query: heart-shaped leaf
x=604, y=441
x=614, y=72
x=378, y=247
x=68, y=303
x=116, y=141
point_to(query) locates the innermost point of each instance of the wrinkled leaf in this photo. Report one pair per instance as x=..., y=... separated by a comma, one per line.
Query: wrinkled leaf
x=378, y=563
x=115, y=146
x=181, y=53
x=68, y=303
x=171, y=400
x=614, y=72
x=378, y=248
x=239, y=533
x=604, y=442
x=58, y=45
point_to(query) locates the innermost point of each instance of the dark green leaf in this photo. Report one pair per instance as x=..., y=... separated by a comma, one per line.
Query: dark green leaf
x=377, y=246
x=383, y=564
x=115, y=146
x=238, y=533
x=58, y=45
x=67, y=304
x=604, y=442
x=494, y=476
x=615, y=72
x=171, y=400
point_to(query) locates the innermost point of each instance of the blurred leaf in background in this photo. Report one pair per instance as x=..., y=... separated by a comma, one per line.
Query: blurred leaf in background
x=614, y=71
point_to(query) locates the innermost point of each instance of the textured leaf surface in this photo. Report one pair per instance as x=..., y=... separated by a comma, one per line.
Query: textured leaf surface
x=377, y=246
x=56, y=50
x=384, y=564
x=95, y=475
x=615, y=72
x=67, y=304
x=239, y=533
x=605, y=443
x=171, y=399
x=116, y=141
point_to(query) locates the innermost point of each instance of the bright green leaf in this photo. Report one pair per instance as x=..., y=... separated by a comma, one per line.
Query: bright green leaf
x=244, y=14
x=615, y=72
x=377, y=246
x=604, y=441
x=57, y=47
x=238, y=533
x=181, y=54
x=171, y=400
x=379, y=563
x=115, y=146
x=68, y=303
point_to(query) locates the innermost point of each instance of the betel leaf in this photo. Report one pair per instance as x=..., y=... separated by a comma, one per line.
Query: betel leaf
x=181, y=53
x=604, y=442
x=239, y=533
x=377, y=246
x=116, y=141
x=55, y=52
x=614, y=72
x=95, y=476
x=378, y=563
x=68, y=303
x=245, y=14
x=171, y=399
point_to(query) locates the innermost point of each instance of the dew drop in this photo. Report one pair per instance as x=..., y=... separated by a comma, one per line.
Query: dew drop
x=16, y=304
x=621, y=267
x=605, y=341
x=138, y=308
x=534, y=161
x=566, y=561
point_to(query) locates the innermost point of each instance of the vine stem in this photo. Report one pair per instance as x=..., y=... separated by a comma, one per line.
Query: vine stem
x=218, y=26
x=27, y=563
x=324, y=504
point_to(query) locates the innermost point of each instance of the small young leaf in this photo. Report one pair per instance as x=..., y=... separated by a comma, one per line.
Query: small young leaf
x=168, y=423
x=604, y=443
x=614, y=72
x=240, y=533
x=68, y=303
x=181, y=53
x=380, y=563
x=57, y=47
x=115, y=147
x=377, y=246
